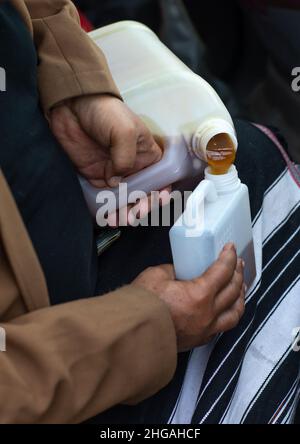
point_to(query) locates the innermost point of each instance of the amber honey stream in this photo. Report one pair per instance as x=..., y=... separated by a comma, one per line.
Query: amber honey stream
x=220, y=154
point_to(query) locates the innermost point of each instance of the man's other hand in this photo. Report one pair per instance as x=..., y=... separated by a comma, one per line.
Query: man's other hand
x=202, y=307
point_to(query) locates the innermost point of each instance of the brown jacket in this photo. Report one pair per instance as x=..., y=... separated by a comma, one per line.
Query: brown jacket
x=69, y=362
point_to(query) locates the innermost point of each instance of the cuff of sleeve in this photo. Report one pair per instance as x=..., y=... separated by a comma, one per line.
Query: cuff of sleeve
x=70, y=63
x=75, y=85
x=158, y=354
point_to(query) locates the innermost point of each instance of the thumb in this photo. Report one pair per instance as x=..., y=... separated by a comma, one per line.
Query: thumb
x=123, y=153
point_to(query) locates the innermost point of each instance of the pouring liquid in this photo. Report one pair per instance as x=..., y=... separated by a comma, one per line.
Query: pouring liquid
x=220, y=154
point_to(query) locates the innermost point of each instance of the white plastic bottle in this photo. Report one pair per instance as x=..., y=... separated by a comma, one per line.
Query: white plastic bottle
x=217, y=212
x=175, y=103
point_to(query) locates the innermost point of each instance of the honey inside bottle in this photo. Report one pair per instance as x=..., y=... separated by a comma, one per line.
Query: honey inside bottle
x=220, y=154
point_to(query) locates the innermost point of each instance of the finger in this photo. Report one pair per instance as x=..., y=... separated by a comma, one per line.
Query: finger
x=132, y=213
x=128, y=216
x=148, y=153
x=113, y=219
x=230, y=318
x=227, y=297
x=111, y=124
x=111, y=180
x=98, y=183
x=123, y=150
x=126, y=160
x=150, y=148
x=221, y=272
x=165, y=196
x=157, y=275
x=152, y=201
x=149, y=204
x=139, y=211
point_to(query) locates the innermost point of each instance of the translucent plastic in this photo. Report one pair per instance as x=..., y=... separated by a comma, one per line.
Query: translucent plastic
x=174, y=103
x=223, y=216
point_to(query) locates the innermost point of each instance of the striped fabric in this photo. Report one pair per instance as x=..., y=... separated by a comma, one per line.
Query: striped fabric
x=251, y=374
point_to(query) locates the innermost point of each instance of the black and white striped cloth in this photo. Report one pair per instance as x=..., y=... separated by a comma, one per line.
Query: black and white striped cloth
x=251, y=374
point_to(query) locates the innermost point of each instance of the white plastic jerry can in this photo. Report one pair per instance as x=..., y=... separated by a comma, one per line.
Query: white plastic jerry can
x=217, y=212
x=175, y=103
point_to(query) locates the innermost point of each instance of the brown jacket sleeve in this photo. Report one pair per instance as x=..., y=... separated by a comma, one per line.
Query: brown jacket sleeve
x=67, y=363
x=70, y=64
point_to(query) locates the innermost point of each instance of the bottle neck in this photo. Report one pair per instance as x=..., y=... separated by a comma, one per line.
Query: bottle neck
x=207, y=131
x=224, y=183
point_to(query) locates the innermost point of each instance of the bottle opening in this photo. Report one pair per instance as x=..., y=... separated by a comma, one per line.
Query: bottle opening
x=221, y=153
x=215, y=142
x=224, y=183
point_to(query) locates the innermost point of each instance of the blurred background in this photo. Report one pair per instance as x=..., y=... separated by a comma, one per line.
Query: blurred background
x=246, y=49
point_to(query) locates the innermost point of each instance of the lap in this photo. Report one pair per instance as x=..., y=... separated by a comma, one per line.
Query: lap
x=258, y=164
x=221, y=385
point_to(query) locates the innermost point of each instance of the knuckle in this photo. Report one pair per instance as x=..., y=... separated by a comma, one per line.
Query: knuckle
x=151, y=270
x=203, y=289
x=234, y=319
x=208, y=322
x=236, y=286
x=156, y=272
x=58, y=118
x=238, y=314
x=123, y=165
x=239, y=278
x=226, y=269
x=241, y=307
x=194, y=298
x=129, y=130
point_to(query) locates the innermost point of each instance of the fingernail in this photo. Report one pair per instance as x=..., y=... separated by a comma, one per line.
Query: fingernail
x=243, y=263
x=114, y=181
x=245, y=288
x=240, y=265
x=229, y=247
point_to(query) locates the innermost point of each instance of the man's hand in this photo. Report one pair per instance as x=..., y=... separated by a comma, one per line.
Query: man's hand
x=104, y=139
x=203, y=307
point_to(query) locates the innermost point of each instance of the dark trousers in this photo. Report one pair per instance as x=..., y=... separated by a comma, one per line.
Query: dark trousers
x=40, y=175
